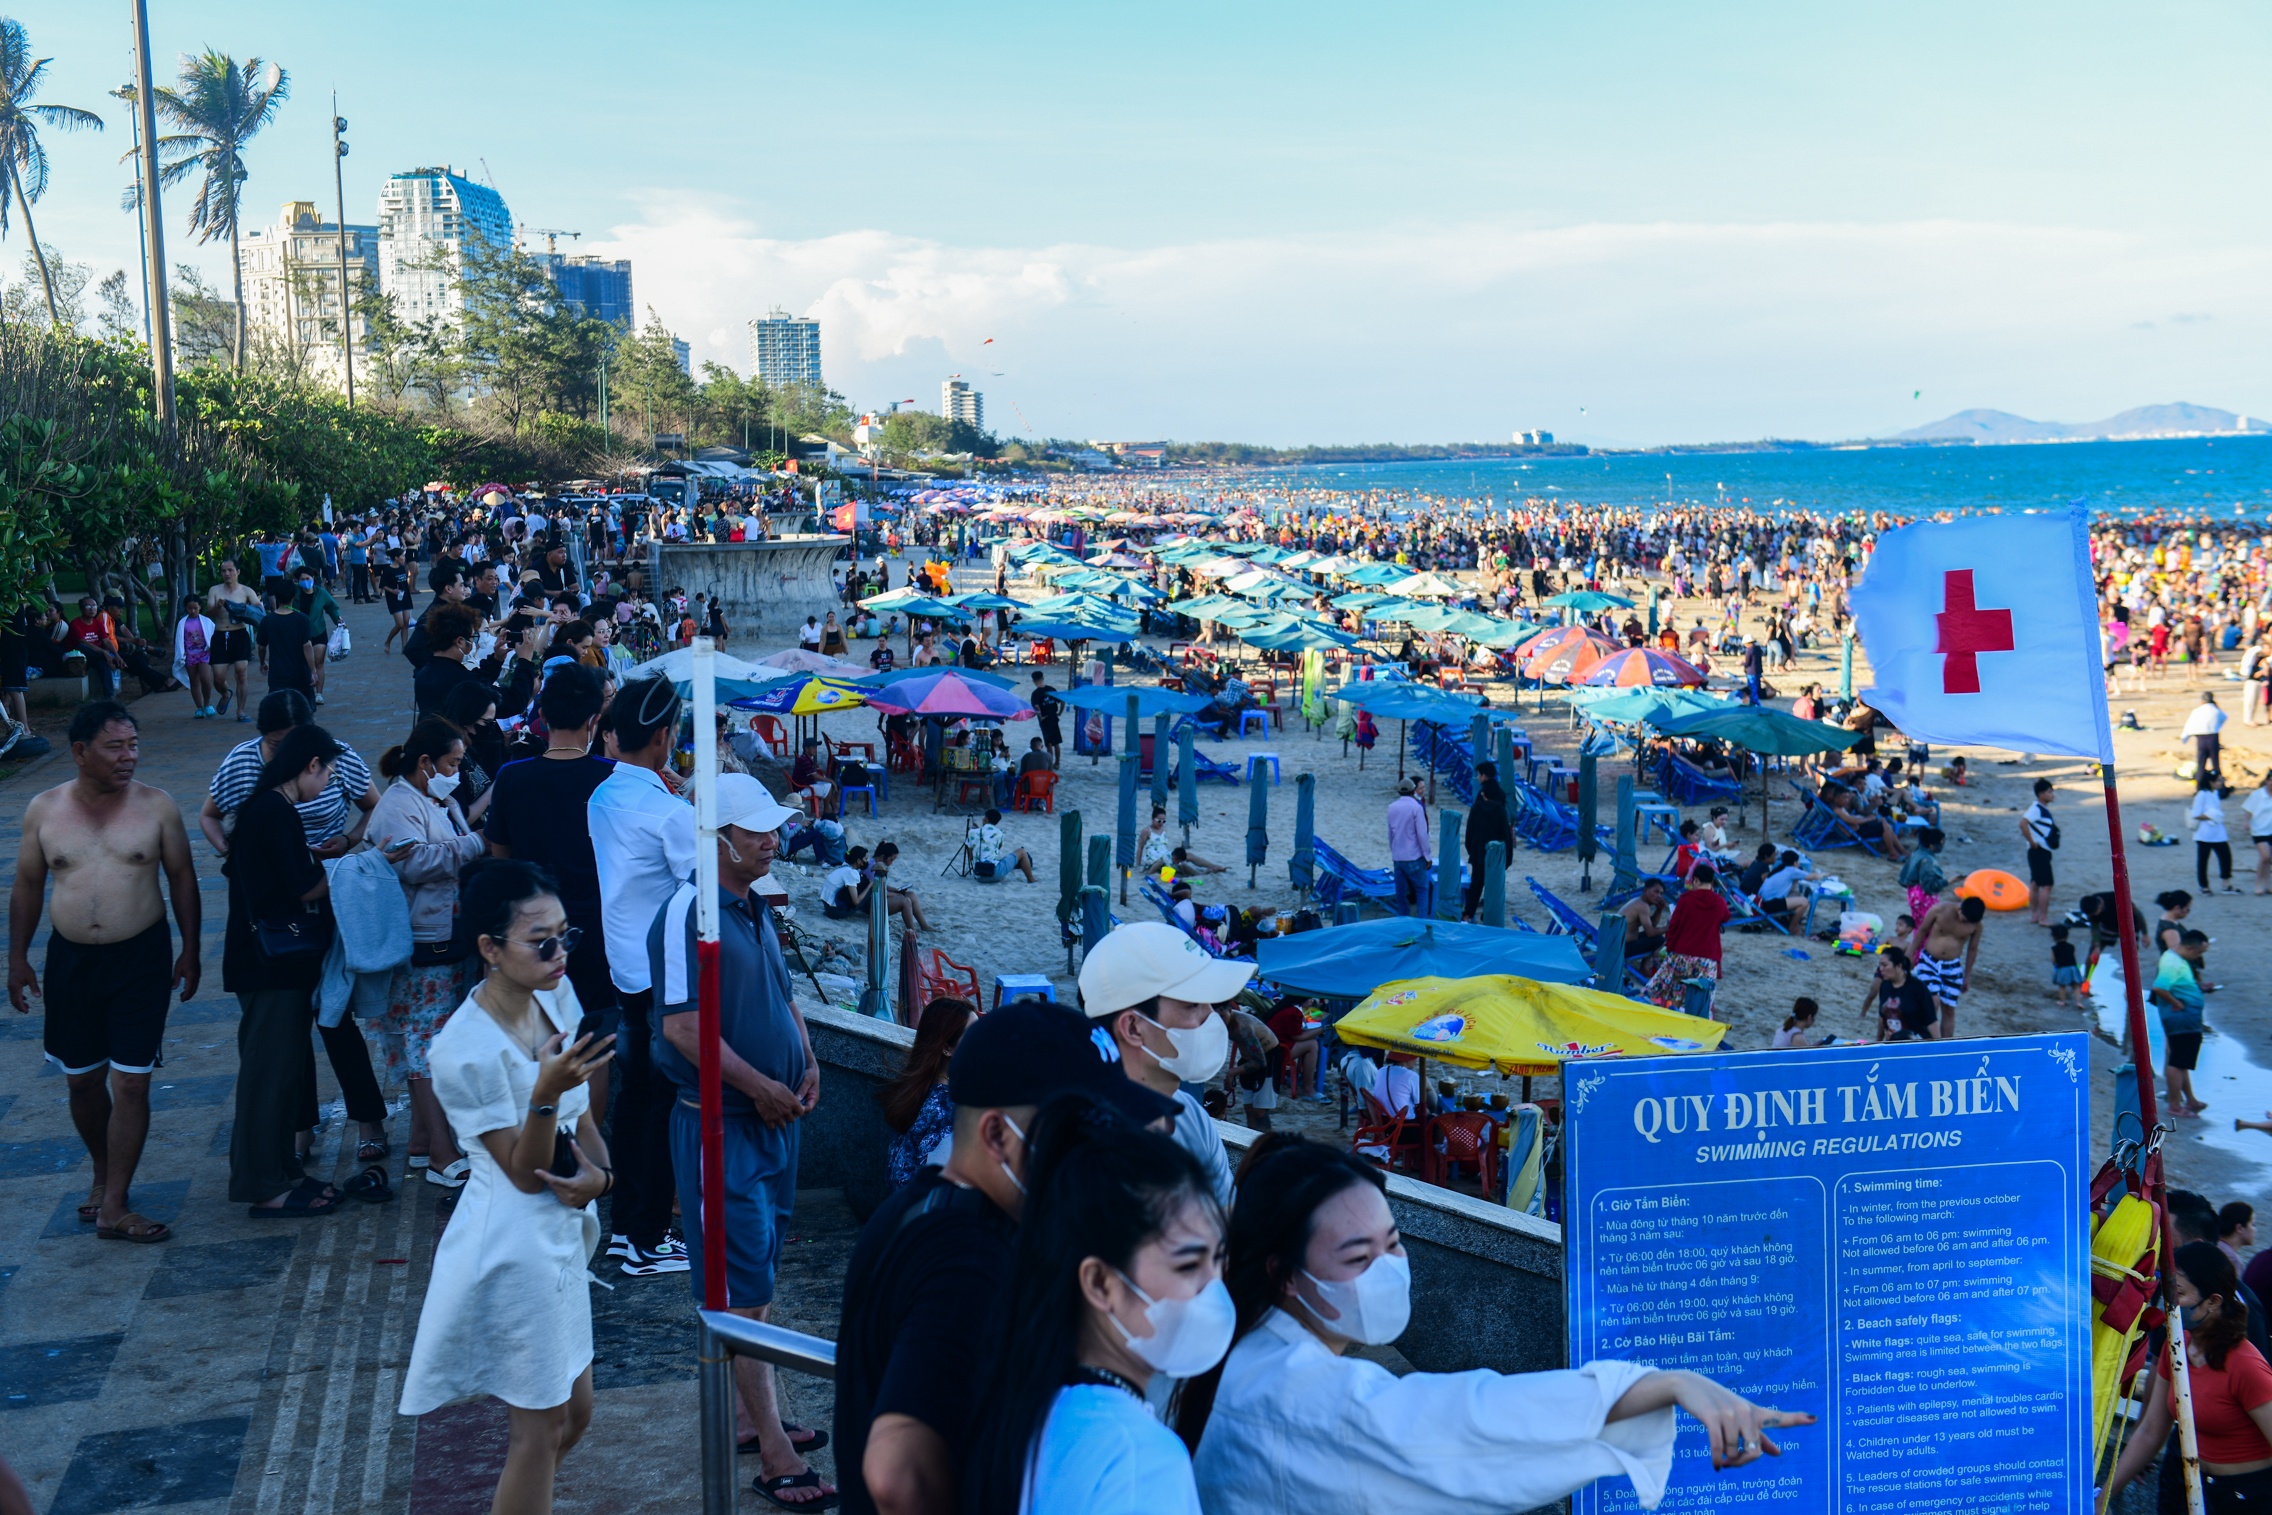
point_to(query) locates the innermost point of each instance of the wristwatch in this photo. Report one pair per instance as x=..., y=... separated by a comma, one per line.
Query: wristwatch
x=544, y=1109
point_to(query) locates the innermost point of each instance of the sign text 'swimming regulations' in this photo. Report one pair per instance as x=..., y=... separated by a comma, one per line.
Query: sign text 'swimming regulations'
x=1892, y=1237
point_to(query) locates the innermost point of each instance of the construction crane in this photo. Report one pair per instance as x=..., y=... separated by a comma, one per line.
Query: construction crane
x=551, y=234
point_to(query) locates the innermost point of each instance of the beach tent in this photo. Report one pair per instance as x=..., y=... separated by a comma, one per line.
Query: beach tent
x=736, y=679
x=1349, y=962
x=1513, y=1025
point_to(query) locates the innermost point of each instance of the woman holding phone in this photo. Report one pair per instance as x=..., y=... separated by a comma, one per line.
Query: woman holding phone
x=419, y=828
x=508, y=1309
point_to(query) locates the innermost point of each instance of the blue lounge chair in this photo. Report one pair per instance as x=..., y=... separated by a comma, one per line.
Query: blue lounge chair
x=1687, y=784
x=1339, y=879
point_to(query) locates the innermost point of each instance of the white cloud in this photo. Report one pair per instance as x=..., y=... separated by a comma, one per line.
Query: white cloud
x=1662, y=330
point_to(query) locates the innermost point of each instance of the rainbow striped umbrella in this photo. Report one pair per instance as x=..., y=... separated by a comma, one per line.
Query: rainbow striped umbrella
x=1561, y=655
x=948, y=693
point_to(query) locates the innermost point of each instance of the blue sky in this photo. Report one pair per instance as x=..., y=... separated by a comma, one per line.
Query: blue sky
x=1625, y=223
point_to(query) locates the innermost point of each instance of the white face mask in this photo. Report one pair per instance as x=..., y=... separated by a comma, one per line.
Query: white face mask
x=441, y=785
x=1189, y=1336
x=1374, y=1307
x=1200, y=1052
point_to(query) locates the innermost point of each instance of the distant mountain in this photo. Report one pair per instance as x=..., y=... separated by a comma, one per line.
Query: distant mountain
x=1990, y=427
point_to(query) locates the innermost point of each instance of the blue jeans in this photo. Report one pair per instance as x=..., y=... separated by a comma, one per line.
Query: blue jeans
x=1412, y=887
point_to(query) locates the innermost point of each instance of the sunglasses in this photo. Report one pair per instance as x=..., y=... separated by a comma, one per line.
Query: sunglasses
x=551, y=947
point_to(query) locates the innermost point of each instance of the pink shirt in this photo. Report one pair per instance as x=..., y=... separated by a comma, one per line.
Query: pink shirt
x=1408, y=831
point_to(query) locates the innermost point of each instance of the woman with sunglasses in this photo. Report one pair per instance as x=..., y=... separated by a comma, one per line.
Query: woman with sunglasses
x=508, y=1309
x=418, y=827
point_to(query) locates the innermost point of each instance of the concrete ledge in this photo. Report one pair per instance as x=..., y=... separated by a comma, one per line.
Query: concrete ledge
x=59, y=691
x=1486, y=1281
x=767, y=588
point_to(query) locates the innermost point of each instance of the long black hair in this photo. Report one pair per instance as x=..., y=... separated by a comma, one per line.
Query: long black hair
x=2216, y=1331
x=1095, y=1187
x=300, y=746
x=1283, y=1183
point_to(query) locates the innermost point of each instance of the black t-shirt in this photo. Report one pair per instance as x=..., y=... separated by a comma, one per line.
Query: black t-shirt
x=538, y=815
x=286, y=635
x=916, y=1299
x=1911, y=1005
x=432, y=684
x=269, y=869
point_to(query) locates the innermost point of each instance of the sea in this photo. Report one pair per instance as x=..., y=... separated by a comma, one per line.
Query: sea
x=2221, y=478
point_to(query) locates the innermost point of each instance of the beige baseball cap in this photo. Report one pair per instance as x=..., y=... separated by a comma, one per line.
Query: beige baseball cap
x=1145, y=958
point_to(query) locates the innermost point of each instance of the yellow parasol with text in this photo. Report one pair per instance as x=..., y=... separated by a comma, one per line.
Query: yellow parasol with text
x=1518, y=1025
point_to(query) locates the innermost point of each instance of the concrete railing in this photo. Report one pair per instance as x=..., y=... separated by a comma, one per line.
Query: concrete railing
x=766, y=588
x=1486, y=1281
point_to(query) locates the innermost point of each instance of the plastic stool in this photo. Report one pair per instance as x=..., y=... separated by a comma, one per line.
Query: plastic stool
x=1665, y=817
x=1256, y=759
x=1020, y=985
x=1246, y=717
x=843, y=795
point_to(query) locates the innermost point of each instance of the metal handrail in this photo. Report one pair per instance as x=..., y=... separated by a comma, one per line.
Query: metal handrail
x=721, y=1336
x=778, y=1345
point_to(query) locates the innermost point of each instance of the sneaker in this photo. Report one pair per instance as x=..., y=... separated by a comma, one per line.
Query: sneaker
x=645, y=1264
x=619, y=1245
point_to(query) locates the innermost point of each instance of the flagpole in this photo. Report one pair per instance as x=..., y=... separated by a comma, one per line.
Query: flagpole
x=2142, y=1065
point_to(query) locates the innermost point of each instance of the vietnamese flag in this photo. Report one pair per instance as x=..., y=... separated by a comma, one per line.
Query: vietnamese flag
x=1985, y=631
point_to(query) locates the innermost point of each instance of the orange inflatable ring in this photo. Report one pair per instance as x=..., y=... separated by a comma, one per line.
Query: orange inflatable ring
x=1994, y=888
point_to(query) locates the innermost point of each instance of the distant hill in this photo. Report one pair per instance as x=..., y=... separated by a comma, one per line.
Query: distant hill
x=1990, y=427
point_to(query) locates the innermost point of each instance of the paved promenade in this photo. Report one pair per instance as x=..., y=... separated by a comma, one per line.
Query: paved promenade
x=254, y=1367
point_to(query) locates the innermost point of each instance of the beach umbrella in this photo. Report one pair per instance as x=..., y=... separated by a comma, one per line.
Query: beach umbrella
x=1150, y=699
x=1589, y=815
x=1647, y=707
x=1359, y=599
x=1376, y=574
x=1068, y=865
x=1504, y=752
x=1124, y=829
x=1587, y=601
x=875, y=989
x=1428, y=586
x=984, y=599
x=736, y=679
x=1501, y=635
x=1295, y=636
x=805, y=660
x=1348, y=962
x=1186, y=784
x=1762, y=729
x=1491, y=908
x=1422, y=617
x=1846, y=666
x=1479, y=740
x=1160, y=760
x=1559, y=656
x=1301, y=868
x=911, y=602
x=1076, y=631
x=1096, y=916
x=1512, y=1025
x=1257, y=827
x=804, y=694
x=969, y=675
x=1638, y=666
x=945, y=692
x=1100, y=862
x=1447, y=865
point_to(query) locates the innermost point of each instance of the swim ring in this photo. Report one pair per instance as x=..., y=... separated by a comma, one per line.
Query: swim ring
x=1994, y=888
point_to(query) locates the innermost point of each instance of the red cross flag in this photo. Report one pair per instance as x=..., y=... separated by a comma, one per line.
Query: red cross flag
x=1985, y=632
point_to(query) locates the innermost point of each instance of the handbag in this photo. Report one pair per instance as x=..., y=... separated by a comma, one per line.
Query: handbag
x=292, y=942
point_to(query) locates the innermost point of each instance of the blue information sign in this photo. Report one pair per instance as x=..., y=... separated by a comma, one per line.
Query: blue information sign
x=1894, y=1238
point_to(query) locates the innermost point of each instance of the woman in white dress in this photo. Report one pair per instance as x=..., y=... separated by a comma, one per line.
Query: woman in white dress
x=1293, y=1425
x=508, y=1310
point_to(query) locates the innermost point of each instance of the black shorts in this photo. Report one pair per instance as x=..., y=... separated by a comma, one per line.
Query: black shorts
x=107, y=1003
x=233, y=645
x=2039, y=866
x=2184, y=1049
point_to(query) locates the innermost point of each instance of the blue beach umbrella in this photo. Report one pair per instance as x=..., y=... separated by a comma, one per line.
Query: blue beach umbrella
x=1491, y=908
x=1257, y=828
x=1351, y=961
x=1150, y=699
x=1124, y=831
x=1301, y=868
x=1068, y=866
x=1447, y=866
x=1186, y=785
x=1160, y=759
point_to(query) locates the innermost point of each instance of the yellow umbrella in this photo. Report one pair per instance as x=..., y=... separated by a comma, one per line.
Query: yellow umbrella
x=1518, y=1025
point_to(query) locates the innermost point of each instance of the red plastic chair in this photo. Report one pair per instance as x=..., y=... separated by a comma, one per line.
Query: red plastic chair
x=1382, y=1131
x=1467, y=1137
x=770, y=728
x=943, y=976
x=1036, y=791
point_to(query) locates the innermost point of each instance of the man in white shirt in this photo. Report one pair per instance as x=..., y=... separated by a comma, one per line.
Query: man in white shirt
x=1399, y=1086
x=643, y=846
x=808, y=635
x=2204, y=725
x=2258, y=805
x=1152, y=991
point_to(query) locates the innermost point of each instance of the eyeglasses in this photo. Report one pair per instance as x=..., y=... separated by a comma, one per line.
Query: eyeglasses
x=552, y=946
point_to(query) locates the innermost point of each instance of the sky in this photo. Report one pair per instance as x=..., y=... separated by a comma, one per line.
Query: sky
x=1627, y=224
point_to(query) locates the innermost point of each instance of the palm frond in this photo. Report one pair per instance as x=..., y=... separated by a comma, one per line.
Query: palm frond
x=65, y=117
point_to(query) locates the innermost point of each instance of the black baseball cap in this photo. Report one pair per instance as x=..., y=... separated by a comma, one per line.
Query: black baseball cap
x=1031, y=1051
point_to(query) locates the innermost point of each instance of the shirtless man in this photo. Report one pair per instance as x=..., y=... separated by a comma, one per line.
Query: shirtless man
x=232, y=638
x=1646, y=915
x=1945, y=946
x=105, y=838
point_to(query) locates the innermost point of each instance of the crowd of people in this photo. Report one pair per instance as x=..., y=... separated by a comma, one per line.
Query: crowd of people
x=497, y=919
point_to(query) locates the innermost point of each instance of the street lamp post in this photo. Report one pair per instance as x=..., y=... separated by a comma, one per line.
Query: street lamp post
x=339, y=191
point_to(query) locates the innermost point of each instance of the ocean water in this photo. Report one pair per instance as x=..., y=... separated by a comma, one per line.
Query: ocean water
x=2218, y=477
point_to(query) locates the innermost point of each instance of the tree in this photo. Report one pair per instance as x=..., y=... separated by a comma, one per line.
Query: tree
x=219, y=107
x=21, y=153
x=654, y=387
x=120, y=319
x=204, y=323
x=529, y=349
x=64, y=283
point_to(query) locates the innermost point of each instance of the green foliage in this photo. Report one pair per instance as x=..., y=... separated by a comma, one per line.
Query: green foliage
x=914, y=434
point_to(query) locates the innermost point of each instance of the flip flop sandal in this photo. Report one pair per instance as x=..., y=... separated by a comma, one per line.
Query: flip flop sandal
x=92, y=1210
x=772, y=1488
x=372, y=1152
x=452, y=1177
x=300, y=1204
x=813, y=1440
x=370, y=1186
x=136, y=1228
x=420, y=1160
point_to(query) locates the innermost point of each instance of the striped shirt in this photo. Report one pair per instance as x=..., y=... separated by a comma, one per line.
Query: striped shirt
x=323, y=817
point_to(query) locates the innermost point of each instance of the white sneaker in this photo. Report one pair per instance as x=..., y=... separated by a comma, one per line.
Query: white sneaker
x=664, y=1259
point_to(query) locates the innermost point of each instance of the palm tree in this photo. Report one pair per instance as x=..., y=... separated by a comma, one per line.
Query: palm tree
x=220, y=106
x=21, y=154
